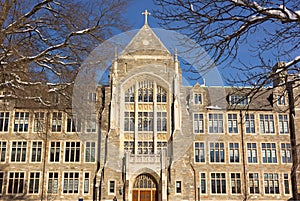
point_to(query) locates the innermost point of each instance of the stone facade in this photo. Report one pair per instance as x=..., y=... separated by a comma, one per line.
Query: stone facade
x=151, y=139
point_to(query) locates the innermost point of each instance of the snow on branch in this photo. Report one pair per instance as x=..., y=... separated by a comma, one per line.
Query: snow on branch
x=293, y=62
x=240, y=2
x=281, y=13
x=35, y=9
x=60, y=45
x=49, y=67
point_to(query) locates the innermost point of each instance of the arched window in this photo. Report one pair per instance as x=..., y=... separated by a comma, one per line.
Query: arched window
x=145, y=181
x=141, y=113
x=161, y=95
x=129, y=95
x=145, y=91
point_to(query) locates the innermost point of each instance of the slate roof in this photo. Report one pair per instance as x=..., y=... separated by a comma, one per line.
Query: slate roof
x=218, y=97
x=145, y=42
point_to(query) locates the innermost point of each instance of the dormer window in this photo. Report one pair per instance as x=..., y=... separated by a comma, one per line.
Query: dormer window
x=238, y=100
x=197, y=98
x=56, y=98
x=280, y=100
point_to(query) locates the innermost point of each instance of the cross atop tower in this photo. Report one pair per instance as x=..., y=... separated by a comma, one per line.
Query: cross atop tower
x=146, y=13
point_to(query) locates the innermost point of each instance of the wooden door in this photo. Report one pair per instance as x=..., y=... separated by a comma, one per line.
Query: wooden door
x=148, y=195
x=154, y=195
x=135, y=195
x=142, y=196
x=145, y=195
x=144, y=189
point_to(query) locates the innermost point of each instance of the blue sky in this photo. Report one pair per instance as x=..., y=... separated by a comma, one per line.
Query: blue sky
x=136, y=20
x=134, y=13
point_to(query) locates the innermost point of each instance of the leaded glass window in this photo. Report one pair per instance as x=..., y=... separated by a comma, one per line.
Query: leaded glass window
x=145, y=181
x=145, y=107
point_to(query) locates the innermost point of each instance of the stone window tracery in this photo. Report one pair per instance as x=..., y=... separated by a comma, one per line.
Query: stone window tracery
x=254, y=183
x=161, y=95
x=145, y=114
x=145, y=121
x=129, y=95
x=161, y=146
x=271, y=183
x=145, y=147
x=129, y=121
x=144, y=181
x=129, y=146
x=145, y=91
x=161, y=121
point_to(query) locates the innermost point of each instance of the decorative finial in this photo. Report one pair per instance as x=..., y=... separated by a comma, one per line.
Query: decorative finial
x=146, y=13
x=116, y=53
x=176, y=55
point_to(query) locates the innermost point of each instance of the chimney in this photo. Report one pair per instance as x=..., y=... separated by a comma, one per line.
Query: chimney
x=279, y=74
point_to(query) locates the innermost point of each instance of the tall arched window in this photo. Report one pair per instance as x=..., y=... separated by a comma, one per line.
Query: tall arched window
x=141, y=113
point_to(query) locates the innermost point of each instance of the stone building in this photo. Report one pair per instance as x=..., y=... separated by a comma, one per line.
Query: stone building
x=149, y=139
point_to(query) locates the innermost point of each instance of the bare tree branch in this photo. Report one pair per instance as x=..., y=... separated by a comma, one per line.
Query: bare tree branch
x=222, y=27
x=43, y=41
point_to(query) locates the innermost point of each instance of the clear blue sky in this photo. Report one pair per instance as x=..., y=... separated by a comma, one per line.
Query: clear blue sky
x=134, y=13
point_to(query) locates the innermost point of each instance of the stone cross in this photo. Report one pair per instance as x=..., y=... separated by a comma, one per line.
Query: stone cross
x=146, y=13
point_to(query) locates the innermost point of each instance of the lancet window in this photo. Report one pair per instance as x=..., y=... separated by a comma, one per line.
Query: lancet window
x=145, y=91
x=161, y=95
x=129, y=95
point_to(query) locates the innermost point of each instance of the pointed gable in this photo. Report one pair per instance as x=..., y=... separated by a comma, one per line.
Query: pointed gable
x=145, y=42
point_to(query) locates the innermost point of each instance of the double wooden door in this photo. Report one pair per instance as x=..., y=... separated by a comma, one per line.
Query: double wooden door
x=144, y=195
x=144, y=188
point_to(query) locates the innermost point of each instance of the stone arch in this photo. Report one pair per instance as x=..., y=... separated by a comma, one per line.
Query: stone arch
x=145, y=185
x=145, y=180
x=147, y=171
x=129, y=81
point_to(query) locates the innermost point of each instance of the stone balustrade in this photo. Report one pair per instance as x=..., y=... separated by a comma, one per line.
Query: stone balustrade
x=144, y=158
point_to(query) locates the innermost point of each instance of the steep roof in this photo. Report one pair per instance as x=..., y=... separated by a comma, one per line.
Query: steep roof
x=218, y=96
x=145, y=42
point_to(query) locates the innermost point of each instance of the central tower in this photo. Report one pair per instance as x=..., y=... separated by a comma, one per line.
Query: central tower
x=144, y=114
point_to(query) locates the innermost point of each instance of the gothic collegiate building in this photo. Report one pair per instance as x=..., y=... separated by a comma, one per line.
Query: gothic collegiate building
x=150, y=139
x=167, y=141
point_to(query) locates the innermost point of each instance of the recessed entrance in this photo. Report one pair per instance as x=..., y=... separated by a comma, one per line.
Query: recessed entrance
x=145, y=188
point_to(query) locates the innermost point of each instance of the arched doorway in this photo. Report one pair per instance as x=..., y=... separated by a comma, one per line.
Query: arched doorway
x=145, y=188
